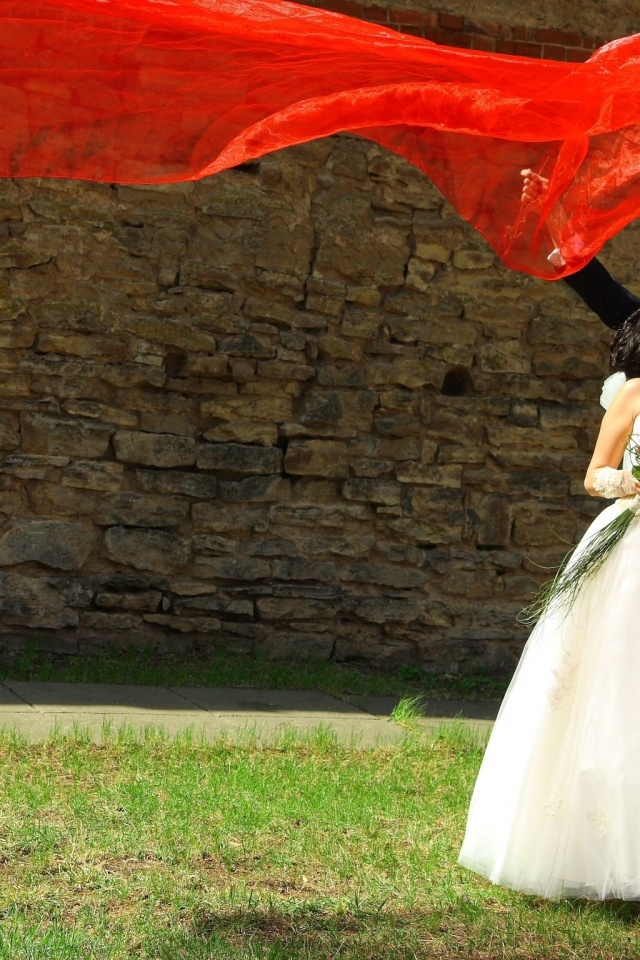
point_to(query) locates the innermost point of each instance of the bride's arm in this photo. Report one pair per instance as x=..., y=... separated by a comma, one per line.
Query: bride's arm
x=615, y=430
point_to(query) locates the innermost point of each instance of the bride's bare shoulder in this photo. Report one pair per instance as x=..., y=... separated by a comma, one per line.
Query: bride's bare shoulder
x=629, y=397
x=631, y=388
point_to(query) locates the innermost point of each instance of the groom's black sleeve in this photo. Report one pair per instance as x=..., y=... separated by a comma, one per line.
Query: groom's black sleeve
x=605, y=296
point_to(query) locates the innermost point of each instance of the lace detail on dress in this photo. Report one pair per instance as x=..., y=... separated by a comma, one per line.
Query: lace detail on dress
x=598, y=819
x=555, y=805
x=564, y=677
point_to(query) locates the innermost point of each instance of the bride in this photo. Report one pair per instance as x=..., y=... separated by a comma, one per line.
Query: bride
x=555, y=807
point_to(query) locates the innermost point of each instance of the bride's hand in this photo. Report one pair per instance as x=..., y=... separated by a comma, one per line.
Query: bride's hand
x=534, y=186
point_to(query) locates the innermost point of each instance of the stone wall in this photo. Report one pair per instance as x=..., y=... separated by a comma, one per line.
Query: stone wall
x=299, y=407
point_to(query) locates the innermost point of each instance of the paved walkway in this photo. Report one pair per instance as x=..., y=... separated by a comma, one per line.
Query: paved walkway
x=36, y=709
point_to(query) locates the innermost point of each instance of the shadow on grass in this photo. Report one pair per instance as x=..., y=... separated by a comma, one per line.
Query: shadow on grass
x=626, y=912
x=461, y=930
x=310, y=934
x=219, y=666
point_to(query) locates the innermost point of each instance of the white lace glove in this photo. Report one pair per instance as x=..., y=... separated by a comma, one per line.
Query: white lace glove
x=611, y=483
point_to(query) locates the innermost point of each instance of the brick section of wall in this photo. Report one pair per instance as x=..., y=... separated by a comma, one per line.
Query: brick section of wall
x=457, y=30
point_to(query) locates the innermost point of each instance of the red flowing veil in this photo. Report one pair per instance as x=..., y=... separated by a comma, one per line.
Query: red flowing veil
x=151, y=91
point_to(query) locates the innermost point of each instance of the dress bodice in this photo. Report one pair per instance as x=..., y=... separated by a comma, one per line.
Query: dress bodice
x=632, y=452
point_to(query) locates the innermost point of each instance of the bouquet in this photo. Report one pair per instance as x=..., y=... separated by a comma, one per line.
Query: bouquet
x=571, y=578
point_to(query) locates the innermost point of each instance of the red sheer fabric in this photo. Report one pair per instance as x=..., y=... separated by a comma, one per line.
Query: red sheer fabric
x=150, y=91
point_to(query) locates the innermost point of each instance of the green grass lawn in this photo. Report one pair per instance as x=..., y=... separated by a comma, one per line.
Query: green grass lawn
x=174, y=849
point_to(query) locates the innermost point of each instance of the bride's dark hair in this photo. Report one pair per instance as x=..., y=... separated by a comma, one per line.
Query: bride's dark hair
x=625, y=347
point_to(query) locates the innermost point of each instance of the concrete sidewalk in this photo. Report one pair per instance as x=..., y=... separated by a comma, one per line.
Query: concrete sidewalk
x=36, y=709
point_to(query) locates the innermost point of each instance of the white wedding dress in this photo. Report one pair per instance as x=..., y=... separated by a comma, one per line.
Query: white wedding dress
x=556, y=806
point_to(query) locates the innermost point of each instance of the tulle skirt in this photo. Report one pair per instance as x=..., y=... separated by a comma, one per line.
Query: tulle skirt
x=556, y=806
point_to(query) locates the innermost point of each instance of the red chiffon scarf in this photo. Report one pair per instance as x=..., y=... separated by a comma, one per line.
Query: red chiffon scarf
x=151, y=91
